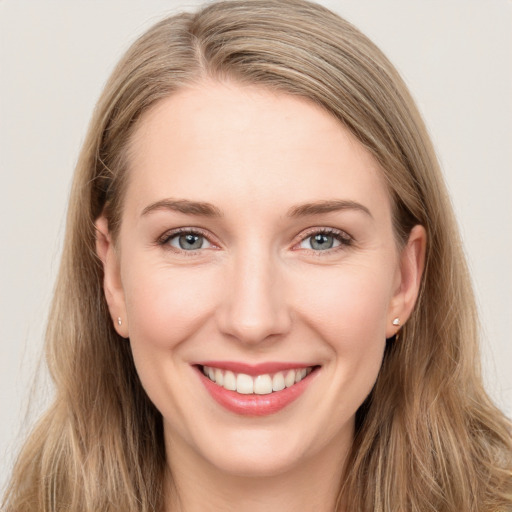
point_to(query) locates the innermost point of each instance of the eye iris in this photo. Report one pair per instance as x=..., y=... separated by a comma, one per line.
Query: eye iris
x=322, y=242
x=190, y=241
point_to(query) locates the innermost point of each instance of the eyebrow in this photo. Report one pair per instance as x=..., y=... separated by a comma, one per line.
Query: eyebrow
x=204, y=209
x=320, y=207
x=184, y=206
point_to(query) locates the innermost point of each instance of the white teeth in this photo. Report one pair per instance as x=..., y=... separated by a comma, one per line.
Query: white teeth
x=289, y=380
x=263, y=385
x=229, y=381
x=260, y=385
x=278, y=382
x=300, y=374
x=244, y=384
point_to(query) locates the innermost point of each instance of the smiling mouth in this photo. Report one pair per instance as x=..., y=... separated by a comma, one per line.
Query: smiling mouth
x=264, y=384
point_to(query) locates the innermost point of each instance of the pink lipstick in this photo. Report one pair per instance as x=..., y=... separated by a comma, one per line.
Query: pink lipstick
x=255, y=390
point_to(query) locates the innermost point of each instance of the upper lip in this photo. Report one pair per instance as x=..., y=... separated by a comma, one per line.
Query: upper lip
x=255, y=369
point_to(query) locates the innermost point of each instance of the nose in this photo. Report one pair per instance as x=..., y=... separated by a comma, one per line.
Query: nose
x=254, y=306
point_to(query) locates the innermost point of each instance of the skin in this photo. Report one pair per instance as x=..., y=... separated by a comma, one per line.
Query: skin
x=257, y=290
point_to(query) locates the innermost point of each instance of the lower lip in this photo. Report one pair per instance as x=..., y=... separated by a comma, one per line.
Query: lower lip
x=256, y=405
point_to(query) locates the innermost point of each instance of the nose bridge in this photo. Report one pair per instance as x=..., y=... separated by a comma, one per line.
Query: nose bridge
x=254, y=307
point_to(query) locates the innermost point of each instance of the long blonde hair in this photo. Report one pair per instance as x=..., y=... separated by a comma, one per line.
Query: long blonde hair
x=427, y=437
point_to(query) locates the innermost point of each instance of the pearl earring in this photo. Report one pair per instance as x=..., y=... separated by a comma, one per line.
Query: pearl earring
x=396, y=322
x=119, y=321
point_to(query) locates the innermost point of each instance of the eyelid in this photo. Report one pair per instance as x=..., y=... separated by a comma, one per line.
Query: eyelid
x=342, y=236
x=168, y=235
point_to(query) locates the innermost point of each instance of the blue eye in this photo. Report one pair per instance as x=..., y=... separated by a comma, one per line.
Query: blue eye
x=325, y=240
x=189, y=241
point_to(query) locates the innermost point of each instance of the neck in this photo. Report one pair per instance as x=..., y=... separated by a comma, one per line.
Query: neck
x=313, y=485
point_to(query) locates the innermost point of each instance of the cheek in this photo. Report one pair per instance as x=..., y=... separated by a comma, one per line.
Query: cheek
x=349, y=303
x=166, y=306
x=348, y=310
x=166, y=310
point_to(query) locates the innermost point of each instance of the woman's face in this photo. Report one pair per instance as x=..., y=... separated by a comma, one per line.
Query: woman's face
x=257, y=246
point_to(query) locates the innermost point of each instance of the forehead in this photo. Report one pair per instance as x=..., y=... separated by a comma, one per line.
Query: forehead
x=251, y=146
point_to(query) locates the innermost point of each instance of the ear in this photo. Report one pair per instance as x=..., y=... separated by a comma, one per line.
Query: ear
x=411, y=265
x=112, y=284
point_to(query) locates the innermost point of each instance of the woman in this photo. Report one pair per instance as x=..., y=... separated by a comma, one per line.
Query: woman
x=252, y=311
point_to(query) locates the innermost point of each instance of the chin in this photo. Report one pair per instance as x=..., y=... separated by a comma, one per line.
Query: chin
x=256, y=463
x=260, y=451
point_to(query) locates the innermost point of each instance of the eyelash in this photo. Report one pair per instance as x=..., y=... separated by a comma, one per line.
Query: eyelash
x=344, y=239
x=168, y=236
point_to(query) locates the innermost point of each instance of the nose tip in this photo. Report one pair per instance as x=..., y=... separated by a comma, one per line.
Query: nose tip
x=257, y=326
x=254, y=307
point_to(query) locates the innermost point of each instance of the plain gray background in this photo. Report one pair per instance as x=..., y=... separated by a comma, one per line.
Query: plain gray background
x=456, y=56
